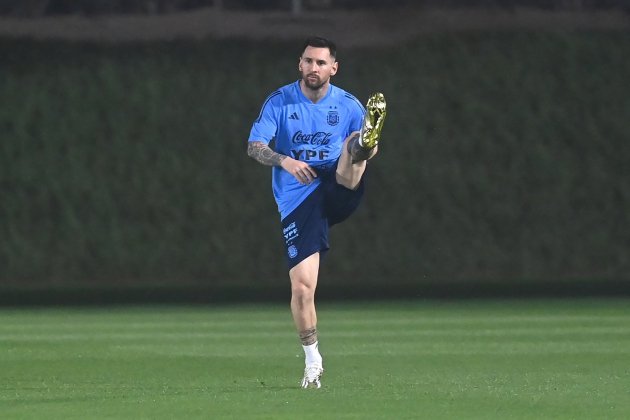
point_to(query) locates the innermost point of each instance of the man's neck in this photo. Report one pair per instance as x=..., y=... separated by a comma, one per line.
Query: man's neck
x=314, y=95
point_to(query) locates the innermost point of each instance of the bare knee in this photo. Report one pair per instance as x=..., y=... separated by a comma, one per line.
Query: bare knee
x=302, y=292
x=304, y=280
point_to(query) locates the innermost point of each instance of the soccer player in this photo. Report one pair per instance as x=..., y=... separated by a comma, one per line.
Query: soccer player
x=318, y=138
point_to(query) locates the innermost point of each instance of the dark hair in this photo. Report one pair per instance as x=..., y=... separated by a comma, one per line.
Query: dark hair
x=319, y=42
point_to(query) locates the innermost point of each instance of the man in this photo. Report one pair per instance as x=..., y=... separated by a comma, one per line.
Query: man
x=319, y=157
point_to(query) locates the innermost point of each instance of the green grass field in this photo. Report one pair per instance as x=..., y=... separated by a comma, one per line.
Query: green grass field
x=408, y=360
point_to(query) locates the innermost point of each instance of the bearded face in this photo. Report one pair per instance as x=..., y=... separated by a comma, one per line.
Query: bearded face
x=316, y=67
x=313, y=81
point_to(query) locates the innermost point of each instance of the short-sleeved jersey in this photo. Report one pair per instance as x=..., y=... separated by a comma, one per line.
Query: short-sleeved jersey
x=307, y=131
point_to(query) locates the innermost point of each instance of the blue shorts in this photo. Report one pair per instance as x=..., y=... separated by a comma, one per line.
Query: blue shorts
x=305, y=229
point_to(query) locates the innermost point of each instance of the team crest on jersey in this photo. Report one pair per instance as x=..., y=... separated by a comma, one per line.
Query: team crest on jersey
x=292, y=250
x=333, y=118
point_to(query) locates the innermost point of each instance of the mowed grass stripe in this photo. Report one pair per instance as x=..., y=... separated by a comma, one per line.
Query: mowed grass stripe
x=280, y=318
x=495, y=359
x=199, y=333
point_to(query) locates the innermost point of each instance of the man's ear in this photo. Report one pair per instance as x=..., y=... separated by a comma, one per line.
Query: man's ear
x=335, y=67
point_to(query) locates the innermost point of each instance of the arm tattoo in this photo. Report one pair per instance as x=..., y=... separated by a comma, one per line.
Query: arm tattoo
x=263, y=154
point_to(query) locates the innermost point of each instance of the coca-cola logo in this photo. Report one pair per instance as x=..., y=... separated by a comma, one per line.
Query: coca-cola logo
x=320, y=138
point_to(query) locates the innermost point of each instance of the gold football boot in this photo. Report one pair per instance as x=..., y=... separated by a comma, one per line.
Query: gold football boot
x=361, y=147
x=373, y=121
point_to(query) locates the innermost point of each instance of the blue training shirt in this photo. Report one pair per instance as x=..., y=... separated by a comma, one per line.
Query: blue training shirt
x=313, y=133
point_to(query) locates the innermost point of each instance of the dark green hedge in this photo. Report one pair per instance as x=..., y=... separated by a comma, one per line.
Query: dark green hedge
x=504, y=159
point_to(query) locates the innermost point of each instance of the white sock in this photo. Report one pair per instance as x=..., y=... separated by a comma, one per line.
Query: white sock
x=312, y=354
